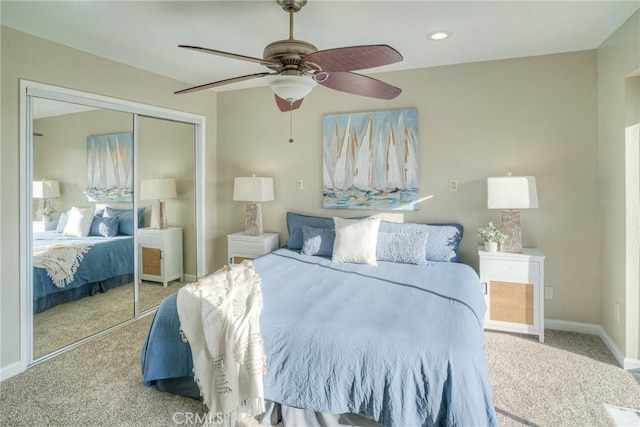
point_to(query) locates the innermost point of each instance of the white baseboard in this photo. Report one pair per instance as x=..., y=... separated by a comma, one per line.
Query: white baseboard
x=11, y=370
x=592, y=329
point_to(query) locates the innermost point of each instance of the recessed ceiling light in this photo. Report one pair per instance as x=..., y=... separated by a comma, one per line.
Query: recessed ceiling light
x=439, y=35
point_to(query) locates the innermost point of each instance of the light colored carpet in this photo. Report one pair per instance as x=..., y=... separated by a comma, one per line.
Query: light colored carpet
x=564, y=382
x=67, y=323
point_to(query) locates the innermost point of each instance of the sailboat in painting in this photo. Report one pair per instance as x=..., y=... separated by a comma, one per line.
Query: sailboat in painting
x=364, y=159
x=371, y=160
x=393, y=172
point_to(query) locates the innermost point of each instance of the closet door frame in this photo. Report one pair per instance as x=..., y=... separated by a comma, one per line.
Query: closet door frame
x=30, y=90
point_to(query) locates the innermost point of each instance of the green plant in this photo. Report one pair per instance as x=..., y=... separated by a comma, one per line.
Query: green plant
x=491, y=233
x=48, y=210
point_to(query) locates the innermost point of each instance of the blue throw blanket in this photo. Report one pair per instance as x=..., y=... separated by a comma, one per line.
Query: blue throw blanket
x=399, y=343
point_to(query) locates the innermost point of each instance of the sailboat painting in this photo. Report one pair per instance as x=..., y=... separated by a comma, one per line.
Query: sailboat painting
x=110, y=168
x=370, y=160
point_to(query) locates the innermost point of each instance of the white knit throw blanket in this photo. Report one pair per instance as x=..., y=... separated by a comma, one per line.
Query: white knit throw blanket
x=219, y=316
x=61, y=261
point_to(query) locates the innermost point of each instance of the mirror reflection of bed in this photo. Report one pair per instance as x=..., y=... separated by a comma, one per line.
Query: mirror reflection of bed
x=84, y=284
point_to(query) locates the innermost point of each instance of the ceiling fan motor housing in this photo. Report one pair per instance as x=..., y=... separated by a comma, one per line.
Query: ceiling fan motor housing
x=288, y=52
x=294, y=5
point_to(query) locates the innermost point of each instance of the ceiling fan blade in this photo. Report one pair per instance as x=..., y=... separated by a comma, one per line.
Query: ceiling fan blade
x=354, y=58
x=231, y=55
x=222, y=83
x=285, y=105
x=358, y=84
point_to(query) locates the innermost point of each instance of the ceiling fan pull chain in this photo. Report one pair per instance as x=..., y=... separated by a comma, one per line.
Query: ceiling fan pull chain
x=291, y=127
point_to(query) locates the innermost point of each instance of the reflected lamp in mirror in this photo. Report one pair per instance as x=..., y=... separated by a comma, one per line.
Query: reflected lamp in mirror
x=511, y=193
x=253, y=190
x=43, y=190
x=158, y=190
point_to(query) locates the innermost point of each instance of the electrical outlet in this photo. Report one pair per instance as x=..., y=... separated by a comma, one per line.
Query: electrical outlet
x=616, y=311
x=453, y=185
x=299, y=185
x=548, y=293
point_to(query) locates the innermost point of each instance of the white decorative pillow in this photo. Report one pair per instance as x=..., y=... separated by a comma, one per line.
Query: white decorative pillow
x=79, y=222
x=356, y=240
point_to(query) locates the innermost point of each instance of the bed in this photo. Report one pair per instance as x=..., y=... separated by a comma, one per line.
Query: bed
x=400, y=344
x=108, y=263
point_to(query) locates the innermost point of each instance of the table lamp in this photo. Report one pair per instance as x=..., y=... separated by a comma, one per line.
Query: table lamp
x=158, y=189
x=253, y=190
x=44, y=190
x=511, y=193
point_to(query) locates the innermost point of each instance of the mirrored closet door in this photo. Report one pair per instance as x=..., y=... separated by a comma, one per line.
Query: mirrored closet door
x=166, y=175
x=93, y=256
x=79, y=251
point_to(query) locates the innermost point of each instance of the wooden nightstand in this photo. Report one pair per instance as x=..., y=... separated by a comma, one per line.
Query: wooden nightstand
x=160, y=254
x=513, y=284
x=39, y=226
x=241, y=246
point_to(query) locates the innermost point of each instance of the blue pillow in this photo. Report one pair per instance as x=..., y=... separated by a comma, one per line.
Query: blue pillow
x=104, y=226
x=62, y=222
x=295, y=222
x=317, y=241
x=406, y=248
x=125, y=219
x=443, y=242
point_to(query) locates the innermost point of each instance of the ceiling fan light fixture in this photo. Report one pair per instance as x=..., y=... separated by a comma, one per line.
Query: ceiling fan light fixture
x=292, y=88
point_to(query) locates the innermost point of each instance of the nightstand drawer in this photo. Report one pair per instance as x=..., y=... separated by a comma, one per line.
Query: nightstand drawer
x=248, y=248
x=151, y=240
x=515, y=269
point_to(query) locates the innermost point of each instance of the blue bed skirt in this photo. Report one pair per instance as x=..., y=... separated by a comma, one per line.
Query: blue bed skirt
x=107, y=264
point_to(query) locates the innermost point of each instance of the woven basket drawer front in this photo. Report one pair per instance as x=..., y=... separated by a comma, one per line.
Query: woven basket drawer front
x=511, y=302
x=152, y=261
x=515, y=269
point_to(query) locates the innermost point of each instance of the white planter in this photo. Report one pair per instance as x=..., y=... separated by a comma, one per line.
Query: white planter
x=491, y=246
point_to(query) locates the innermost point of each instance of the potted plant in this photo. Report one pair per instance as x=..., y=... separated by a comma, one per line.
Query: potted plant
x=47, y=212
x=491, y=236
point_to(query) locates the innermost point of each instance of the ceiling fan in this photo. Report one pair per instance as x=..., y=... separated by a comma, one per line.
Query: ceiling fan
x=297, y=66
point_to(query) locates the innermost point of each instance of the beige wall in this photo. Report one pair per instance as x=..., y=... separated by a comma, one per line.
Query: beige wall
x=618, y=57
x=531, y=116
x=31, y=58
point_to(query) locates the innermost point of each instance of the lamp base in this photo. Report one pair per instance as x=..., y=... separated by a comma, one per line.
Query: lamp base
x=511, y=227
x=158, y=215
x=253, y=220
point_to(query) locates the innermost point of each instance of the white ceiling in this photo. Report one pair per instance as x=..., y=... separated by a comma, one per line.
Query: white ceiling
x=145, y=34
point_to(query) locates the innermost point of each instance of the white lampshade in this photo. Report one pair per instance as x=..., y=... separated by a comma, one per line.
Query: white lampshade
x=292, y=88
x=512, y=192
x=253, y=189
x=45, y=189
x=157, y=189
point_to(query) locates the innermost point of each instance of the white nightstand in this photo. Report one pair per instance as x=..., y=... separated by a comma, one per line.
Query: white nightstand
x=39, y=226
x=241, y=246
x=160, y=254
x=513, y=284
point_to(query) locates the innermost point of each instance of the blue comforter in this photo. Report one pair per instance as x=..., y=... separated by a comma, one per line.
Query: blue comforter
x=401, y=344
x=108, y=263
